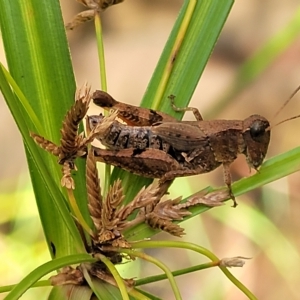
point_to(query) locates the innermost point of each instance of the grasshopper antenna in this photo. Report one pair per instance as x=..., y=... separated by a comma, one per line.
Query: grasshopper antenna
x=283, y=106
x=292, y=118
x=287, y=101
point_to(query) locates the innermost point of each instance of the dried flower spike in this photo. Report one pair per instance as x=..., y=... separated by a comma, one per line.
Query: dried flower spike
x=95, y=6
x=67, y=180
x=230, y=262
x=72, y=143
x=211, y=199
x=164, y=224
x=93, y=191
x=45, y=144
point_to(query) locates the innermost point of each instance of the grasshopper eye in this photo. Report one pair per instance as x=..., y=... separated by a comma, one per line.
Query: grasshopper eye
x=94, y=120
x=94, y=123
x=258, y=129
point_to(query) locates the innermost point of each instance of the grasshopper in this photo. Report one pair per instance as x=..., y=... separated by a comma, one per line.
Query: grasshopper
x=156, y=145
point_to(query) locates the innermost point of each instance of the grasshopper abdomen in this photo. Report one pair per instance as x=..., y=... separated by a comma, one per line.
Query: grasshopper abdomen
x=120, y=136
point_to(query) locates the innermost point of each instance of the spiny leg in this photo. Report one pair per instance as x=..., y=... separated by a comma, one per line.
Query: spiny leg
x=184, y=109
x=227, y=180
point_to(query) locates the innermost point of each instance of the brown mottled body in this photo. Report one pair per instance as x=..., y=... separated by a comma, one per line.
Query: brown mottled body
x=194, y=140
x=208, y=144
x=225, y=138
x=184, y=148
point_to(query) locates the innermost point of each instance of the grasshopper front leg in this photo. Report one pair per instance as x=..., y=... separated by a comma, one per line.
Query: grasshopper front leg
x=227, y=180
x=195, y=110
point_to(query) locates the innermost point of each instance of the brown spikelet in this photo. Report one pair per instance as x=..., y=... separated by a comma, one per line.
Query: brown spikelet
x=164, y=213
x=80, y=18
x=88, y=15
x=120, y=243
x=102, y=274
x=237, y=261
x=162, y=190
x=72, y=143
x=113, y=199
x=93, y=4
x=144, y=197
x=156, y=222
x=108, y=223
x=107, y=235
x=93, y=191
x=45, y=144
x=212, y=199
x=69, y=132
x=67, y=180
x=169, y=210
x=103, y=4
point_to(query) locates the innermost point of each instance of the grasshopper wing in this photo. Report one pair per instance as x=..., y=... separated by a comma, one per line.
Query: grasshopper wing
x=181, y=136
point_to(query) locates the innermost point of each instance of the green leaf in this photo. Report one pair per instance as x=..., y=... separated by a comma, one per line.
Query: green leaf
x=53, y=192
x=38, y=58
x=45, y=269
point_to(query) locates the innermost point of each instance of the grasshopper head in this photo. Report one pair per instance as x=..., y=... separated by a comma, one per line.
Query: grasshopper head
x=94, y=120
x=256, y=134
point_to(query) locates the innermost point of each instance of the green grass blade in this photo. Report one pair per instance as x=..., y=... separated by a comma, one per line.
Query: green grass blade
x=72, y=292
x=52, y=192
x=45, y=269
x=273, y=169
x=38, y=58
